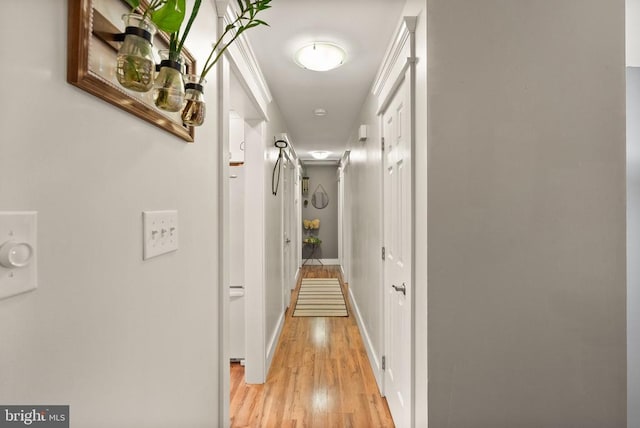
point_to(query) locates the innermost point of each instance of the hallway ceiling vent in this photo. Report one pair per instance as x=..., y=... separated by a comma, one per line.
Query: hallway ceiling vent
x=320, y=56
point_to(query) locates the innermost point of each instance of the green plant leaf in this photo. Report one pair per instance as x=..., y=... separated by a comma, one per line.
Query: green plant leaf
x=245, y=19
x=187, y=28
x=169, y=17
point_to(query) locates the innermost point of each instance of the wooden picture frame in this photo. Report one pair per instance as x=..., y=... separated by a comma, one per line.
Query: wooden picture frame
x=91, y=62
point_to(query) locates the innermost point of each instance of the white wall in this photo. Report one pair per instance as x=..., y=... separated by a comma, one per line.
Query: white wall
x=633, y=32
x=273, y=227
x=126, y=343
x=364, y=205
x=526, y=220
x=633, y=246
x=236, y=225
x=263, y=254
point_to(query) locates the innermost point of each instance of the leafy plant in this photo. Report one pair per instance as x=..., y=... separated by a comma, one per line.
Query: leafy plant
x=168, y=16
x=194, y=110
x=245, y=20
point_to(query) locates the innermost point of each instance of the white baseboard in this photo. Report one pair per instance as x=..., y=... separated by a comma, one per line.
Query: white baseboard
x=273, y=342
x=371, y=353
x=297, y=278
x=321, y=262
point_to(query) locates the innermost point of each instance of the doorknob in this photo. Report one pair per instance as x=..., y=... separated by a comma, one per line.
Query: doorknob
x=287, y=240
x=402, y=288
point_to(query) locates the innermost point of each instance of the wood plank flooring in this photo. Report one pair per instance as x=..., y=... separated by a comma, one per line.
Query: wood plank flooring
x=320, y=376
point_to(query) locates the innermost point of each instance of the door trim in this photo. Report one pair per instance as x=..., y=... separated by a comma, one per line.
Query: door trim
x=240, y=60
x=399, y=64
x=399, y=57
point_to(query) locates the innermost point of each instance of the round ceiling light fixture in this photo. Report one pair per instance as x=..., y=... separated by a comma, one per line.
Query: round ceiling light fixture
x=320, y=56
x=320, y=112
x=320, y=154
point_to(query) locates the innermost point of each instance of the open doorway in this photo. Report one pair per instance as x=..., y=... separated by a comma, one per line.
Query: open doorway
x=249, y=128
x=244, y=211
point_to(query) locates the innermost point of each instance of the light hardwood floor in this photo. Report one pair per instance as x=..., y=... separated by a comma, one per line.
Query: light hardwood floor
x=320, y=376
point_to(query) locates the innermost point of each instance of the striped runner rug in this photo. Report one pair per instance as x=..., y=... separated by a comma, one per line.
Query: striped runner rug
x=320, y=297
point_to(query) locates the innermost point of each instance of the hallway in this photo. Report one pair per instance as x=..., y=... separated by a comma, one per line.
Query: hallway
x=320, y=375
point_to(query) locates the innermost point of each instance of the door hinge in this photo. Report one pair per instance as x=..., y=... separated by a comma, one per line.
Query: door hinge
x=382, y=139
x=384, y=362
x=383, y=253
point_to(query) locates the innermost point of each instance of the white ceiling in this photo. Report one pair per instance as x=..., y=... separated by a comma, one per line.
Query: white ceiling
x=362, y=27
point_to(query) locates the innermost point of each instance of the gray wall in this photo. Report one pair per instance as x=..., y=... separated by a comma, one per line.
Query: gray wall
x=633, y=245
x=526, y=188
x=326, y=175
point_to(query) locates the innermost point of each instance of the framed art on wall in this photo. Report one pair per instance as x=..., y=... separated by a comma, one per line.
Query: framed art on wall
x=92, y=45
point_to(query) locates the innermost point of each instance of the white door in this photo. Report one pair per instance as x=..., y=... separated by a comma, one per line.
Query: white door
x=237, y=263
x=396, y=127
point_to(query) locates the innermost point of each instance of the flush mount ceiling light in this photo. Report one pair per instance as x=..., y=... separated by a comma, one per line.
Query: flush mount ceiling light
x=320, y=154
x=320, y=112
x=320, y=56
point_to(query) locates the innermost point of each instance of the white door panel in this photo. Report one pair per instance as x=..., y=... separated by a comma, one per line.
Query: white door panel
x=397, y=266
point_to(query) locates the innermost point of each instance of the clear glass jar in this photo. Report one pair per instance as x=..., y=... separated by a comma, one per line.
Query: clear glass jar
x=168, y=88
x=135, y=62
x=195, y=108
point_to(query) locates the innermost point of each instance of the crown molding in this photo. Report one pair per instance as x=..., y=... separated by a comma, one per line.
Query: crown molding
x=243, y=61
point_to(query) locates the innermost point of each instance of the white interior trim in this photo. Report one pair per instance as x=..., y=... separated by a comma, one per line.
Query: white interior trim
x=223, y=244
x=374, y=359
x=318, y=262
x=397, y=59
x=255, y=312
x=245, y=65
x=273, y=341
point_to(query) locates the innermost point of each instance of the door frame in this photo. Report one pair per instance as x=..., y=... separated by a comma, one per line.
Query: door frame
x=239, y=60
x=344, y=218
x=288, y=204
x=399, y=63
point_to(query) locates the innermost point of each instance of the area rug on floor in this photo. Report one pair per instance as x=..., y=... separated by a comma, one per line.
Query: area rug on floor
x=320, y=297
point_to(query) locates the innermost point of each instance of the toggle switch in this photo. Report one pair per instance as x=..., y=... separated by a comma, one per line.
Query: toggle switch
x=18, y=252
x=160, y=233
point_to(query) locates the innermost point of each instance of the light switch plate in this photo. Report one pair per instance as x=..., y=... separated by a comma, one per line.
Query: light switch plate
x=160, y=233
x=20, y=228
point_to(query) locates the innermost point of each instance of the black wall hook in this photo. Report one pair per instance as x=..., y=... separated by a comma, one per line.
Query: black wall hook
x=275, y=180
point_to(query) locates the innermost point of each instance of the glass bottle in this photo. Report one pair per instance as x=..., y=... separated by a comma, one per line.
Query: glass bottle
x=168, y=89
x=195, y=108
x=135, y=63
